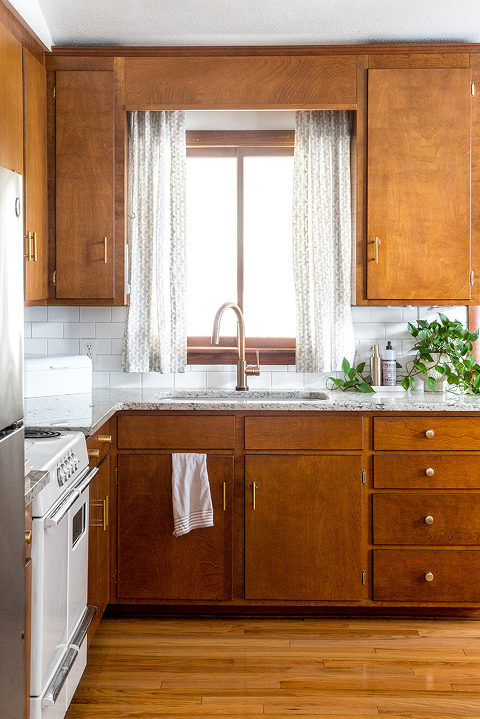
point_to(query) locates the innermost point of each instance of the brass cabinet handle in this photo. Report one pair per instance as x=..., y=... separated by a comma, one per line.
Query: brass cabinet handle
x=429, y=433
x=429, y=519
x=429, y=577
x=105, y=250
x=104, y=438
x=254, y=498
x=28, y=255
x=429, y=472
x=34, y=239
x=224, y=496
x=28, y=536
x=377, y=242
x=94, y=453
x=106, y=513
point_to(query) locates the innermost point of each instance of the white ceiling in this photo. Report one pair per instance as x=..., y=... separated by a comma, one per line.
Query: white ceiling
x=259, y=22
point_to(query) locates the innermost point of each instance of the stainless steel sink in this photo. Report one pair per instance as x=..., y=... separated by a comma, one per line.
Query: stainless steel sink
x=251, y=396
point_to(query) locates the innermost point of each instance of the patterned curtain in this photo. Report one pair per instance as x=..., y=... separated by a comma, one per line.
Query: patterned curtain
x=322, y=240
x=156, y=330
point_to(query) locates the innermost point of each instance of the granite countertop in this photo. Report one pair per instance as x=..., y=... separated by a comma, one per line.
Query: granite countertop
x=35, y=481
x=87, y=412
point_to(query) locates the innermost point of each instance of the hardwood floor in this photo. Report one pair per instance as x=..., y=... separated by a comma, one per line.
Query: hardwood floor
x=232, y=668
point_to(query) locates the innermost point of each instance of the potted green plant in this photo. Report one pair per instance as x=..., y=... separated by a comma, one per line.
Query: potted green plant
x=444, y=354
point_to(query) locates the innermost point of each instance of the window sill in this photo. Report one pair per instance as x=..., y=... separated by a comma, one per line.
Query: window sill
x=221, y=355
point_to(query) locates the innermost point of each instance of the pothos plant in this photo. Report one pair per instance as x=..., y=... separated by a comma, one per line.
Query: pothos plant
x=448, y=345
x=354, y=378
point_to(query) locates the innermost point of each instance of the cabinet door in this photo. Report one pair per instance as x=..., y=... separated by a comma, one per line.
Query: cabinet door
x=35, y=179
x=11, y=105
x=152, y=563
x=303, y=528
x=85, y=184
x=419, y=184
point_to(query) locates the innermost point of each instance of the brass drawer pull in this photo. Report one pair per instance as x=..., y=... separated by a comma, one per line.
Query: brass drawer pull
x=105, y=256
x=429, y=434
x=429, y=472
x=429, y=519
x=429, y=577
x=254, y=498
x=28, y=536
x=224, y=496
x=94, y=453
x=377, y=242
x=104, y=438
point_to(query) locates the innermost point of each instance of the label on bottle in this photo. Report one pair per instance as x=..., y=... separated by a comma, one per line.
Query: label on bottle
x=389, y=373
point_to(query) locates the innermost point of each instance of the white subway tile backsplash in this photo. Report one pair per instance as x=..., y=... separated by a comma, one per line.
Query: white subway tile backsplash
x=109, y=329
x=58, y=330
x=63, y=347
x=36, y=314
x=190, y=380
x=63, y=314
x=125, y=380
x=79, y=329
x=47, y=329
x=95, y=314
x=154, y=380
x=119, y=314
x=37, y=347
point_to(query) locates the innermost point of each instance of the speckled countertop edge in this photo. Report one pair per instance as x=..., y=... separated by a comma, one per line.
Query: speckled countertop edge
x=88, y=412
x=35, y=481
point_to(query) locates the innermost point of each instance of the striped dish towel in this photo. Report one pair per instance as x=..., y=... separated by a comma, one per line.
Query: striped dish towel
x=191, y=499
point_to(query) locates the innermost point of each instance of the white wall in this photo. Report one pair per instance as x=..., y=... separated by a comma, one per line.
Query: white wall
x=58, y=330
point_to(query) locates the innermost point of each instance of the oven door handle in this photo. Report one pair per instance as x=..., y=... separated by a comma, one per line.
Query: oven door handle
x=85, y=479
x=59, y=679
x=62, y=510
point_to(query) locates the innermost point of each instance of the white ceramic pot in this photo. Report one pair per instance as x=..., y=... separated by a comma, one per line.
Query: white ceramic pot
x=441, y=380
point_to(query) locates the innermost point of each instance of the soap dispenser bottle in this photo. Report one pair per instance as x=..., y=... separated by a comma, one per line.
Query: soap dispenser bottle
x=389, y=366
x=375, y=366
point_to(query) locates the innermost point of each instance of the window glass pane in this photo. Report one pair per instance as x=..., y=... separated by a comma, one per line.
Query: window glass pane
x=211, y=242
x=269, y=301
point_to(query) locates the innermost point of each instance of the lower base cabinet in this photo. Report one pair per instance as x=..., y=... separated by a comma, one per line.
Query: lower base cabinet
x=152, y=563
x=302, y=527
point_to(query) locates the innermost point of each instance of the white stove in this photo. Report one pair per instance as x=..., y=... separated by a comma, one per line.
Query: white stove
x=60, y=616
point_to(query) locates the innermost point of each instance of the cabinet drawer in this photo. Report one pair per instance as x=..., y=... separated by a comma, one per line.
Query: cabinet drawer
x=426, y=471
x=303, y=433
x=444, y=433
x=147, y=432
x=401, y=519
x=401, y=575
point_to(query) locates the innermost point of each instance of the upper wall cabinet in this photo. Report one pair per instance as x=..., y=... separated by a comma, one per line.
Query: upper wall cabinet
x=418, y=191
x=35, y=180
x=11, y=105
x=85, y=185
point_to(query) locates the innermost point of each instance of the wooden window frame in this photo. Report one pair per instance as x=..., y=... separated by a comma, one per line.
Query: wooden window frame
x=240, y=144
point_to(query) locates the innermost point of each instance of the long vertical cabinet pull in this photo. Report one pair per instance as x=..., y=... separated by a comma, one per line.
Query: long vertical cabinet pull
x=224, y=496
x=254, y=498
x=105, y=256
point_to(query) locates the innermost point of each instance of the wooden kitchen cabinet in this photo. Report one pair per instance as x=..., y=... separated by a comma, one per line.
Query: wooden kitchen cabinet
x=302, y=527
x=152, y=563
x=99, y=572
x=85, y=185
x=35, y=180
x=11, y=106
x=418, y=185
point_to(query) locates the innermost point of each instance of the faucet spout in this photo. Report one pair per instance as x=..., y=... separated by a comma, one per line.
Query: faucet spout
x=242, y=368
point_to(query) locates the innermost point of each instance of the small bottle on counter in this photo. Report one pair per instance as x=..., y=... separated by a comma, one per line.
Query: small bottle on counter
x=375, y=367
x=389, y=366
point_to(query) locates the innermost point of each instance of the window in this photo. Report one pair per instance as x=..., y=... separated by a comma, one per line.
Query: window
x=239, y=243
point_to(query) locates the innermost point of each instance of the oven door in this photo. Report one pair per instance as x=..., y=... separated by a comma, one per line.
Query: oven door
x=50, y=542
x=78, y=561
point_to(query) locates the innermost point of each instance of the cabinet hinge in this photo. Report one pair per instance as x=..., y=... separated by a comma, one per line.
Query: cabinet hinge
x=472, y=277
x=54, y=92
x=364, y=577
x=364, y=476
x=473, y=89
x=115, y=575
x=116, y=475
x=55, y=278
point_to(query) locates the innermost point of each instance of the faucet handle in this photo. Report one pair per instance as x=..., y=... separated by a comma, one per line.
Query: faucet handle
x=253, y=370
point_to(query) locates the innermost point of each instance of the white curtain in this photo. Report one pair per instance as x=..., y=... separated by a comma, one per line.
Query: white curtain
x=322, y=240
x=156, y=330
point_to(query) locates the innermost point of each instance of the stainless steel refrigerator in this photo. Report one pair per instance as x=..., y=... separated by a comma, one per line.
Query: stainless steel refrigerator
x=12, y=488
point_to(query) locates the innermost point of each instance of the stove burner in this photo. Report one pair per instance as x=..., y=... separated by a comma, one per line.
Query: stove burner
x=40, y=434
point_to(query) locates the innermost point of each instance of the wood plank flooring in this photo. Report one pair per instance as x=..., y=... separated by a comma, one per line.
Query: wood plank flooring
x=278, y=668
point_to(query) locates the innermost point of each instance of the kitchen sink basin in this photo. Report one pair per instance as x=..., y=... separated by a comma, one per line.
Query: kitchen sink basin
x=251, y=396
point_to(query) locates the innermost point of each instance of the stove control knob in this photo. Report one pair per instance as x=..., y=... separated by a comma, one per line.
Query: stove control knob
x=59, y=476
x=74, y=459
x=65, y=470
